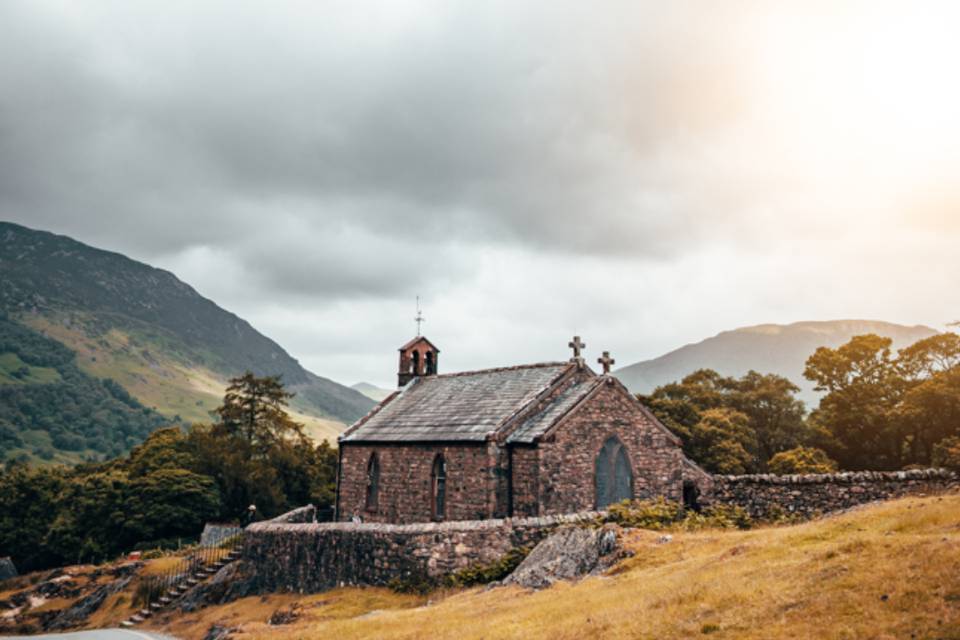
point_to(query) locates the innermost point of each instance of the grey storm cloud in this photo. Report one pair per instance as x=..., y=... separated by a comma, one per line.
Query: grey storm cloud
x=655, y=169
x=172, y=126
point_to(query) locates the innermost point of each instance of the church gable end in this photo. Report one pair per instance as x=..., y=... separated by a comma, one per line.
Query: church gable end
x=606, y=430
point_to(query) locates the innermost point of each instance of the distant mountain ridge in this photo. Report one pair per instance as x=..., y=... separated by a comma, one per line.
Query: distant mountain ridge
x=767, y=348
x=154, y=334
x=372, y=391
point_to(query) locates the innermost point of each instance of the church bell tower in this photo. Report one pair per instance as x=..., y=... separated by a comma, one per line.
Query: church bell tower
x=417, y=358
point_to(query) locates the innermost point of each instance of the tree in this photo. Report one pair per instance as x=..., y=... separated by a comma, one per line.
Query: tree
x=259, y=455
x=775, y=415
x=769, y=418
x=721, y=441
x=802, y=460
x=169, y=503
x=254, y=409
x=885, y=412
x=947, y=453
x=28, y=507
x=863, y=386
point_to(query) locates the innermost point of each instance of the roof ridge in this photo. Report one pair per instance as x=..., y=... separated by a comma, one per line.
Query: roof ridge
x=537, y=365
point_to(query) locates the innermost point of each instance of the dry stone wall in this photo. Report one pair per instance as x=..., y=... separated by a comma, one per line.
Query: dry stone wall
x=295, y=553
x=312, y=557
x=765, y=496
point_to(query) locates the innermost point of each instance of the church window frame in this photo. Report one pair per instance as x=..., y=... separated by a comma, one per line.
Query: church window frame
x=612, y=473
x=372, y=496
x=438, y=488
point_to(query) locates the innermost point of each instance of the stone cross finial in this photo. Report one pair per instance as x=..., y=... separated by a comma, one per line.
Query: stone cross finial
x=576, y=345
x=606, y=361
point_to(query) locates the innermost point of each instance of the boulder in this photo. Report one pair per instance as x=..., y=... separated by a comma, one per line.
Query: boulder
x=7, y=570
x=235, y=580
x=567, y=554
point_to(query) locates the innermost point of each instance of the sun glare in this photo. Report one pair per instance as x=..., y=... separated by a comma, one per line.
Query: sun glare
x=872, y=91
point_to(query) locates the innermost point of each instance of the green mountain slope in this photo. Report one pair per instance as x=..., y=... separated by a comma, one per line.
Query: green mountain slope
x=50, y=410
x=767, y=348
x=167, y=345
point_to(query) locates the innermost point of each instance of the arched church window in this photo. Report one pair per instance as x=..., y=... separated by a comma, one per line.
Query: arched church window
x=431, y=365
x=613, y=474
x=416, y=363
x=373, y=482
x=438, y=488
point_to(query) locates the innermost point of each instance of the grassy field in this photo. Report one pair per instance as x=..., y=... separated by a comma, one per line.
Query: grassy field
x=885, y=571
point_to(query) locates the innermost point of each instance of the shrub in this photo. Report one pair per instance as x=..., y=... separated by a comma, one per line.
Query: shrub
x=491, y=572
x=720, y=516
x=802, y=460
x=645, y=514
x=662, y=514
x=416, y=583
x=947, y=453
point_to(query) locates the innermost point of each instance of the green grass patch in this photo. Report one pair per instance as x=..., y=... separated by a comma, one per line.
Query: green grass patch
x=13, y=370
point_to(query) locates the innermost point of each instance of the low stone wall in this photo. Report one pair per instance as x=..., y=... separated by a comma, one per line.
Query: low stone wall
x=807, y=495
x=317, y=556
x=297, y=516
x=213, y=533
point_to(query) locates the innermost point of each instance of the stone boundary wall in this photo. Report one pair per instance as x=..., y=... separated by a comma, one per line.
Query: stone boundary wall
x=297, y=516
x=214, y=532
x=312, y=557
x=807, y=495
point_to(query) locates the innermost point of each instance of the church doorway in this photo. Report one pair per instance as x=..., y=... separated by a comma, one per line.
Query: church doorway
x=613, y=475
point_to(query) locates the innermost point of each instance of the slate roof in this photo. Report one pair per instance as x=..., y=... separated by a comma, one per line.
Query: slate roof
x=457, y=407
x=537, y=424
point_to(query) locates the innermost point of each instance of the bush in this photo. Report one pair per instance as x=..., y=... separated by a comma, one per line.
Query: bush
x=802, y=460
x=645, y=514
x=662, y=514
x=947, y=453
x=720, y=516
x=491, y=572
x=415, y=583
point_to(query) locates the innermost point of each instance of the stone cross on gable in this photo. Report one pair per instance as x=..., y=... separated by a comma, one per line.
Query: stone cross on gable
x=606, y=361
x=576, y=345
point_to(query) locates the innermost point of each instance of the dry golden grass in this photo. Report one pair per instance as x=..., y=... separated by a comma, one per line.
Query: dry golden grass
x=255, y=611
x=885, y=571
x=115, y=609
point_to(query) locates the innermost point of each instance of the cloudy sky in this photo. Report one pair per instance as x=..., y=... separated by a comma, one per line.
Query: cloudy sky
x=643, y=173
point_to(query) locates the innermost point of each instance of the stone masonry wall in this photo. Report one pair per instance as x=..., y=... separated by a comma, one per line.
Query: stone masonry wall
x=807, y=495
x=319, y=556
x=525, y=465
x=405, y=492
x=567, y=457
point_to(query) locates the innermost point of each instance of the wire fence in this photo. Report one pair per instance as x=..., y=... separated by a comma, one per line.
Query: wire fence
x=177, y=574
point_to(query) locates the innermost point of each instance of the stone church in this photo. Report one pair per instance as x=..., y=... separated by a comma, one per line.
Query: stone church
x=527, y=440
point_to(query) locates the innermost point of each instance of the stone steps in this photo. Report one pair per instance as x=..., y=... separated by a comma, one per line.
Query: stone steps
x=201, y=574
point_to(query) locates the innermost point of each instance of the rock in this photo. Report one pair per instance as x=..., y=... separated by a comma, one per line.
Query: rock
x=218, y=632
x=284, y=616
x=79, y=611
x=567, y=554
x=235, y=580
x=7, y=570
x=664, y=539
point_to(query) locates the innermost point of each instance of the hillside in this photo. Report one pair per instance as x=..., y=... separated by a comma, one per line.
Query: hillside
x=373, y=392
x=882, y=571
x=52, y=411
x=170, y=347
x=767, y=348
